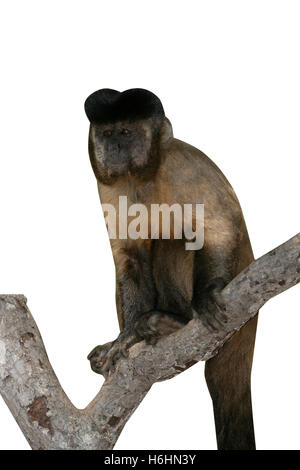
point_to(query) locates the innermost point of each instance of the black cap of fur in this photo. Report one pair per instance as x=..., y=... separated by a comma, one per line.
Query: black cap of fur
x=106, y=106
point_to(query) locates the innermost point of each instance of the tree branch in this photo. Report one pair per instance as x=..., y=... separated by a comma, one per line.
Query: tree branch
x=44, y=413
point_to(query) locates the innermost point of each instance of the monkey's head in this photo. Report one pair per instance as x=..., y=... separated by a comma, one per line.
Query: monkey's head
x=125, y=133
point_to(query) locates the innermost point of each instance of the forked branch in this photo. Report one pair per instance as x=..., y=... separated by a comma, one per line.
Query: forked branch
x=44, y=413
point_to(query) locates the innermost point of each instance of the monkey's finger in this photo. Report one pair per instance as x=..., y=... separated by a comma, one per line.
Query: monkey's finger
x=93, y=352
x=124, y=352
x=220, y=304
x=108, y=367
x=219, y=321
x=208, y=322
x=111, y=359
x=222, y=315
x=153, y=340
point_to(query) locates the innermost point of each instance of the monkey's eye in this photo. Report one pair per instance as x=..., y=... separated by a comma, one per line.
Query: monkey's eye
x=126, y=131
x=107, y=133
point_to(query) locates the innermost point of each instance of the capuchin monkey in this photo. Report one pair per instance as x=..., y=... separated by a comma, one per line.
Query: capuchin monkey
x=161, y=285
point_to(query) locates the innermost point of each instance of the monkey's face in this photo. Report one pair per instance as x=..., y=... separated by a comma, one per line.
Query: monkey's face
x=124, y=133
x=122, y=147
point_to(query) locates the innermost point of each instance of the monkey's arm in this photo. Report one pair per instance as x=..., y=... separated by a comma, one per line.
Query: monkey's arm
x=221, y=259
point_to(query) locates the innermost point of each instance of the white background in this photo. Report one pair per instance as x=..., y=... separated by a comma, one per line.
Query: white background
x=228, y=75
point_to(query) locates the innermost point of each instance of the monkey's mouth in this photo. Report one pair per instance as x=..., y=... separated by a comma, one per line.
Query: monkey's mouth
x=116, y=170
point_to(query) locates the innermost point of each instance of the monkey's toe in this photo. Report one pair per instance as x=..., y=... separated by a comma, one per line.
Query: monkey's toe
x=152, y=325
x=212, y=315
x=118, y=350
x=211, y=308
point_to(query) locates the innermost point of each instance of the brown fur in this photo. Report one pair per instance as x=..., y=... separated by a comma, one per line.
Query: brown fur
x=160, y=285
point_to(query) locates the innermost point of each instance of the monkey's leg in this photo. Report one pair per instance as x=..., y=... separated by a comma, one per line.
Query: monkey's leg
x=228, y=376
x=135, y=296
x=172, y=275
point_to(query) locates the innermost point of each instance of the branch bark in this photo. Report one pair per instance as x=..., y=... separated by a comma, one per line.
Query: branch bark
x=44, y=413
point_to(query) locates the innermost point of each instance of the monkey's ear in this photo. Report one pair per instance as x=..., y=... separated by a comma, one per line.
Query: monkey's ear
x=166, y=131
x=99, y=104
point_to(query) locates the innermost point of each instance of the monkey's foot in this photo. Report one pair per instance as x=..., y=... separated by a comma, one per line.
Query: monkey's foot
x=212, y=309
x=154, y=324
x=103, y=358
x=97, y=357
x=149, y=327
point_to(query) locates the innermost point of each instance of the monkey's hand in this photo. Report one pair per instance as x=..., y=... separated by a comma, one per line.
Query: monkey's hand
x=154, y=324
x=103, y=358
x=211, y=308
